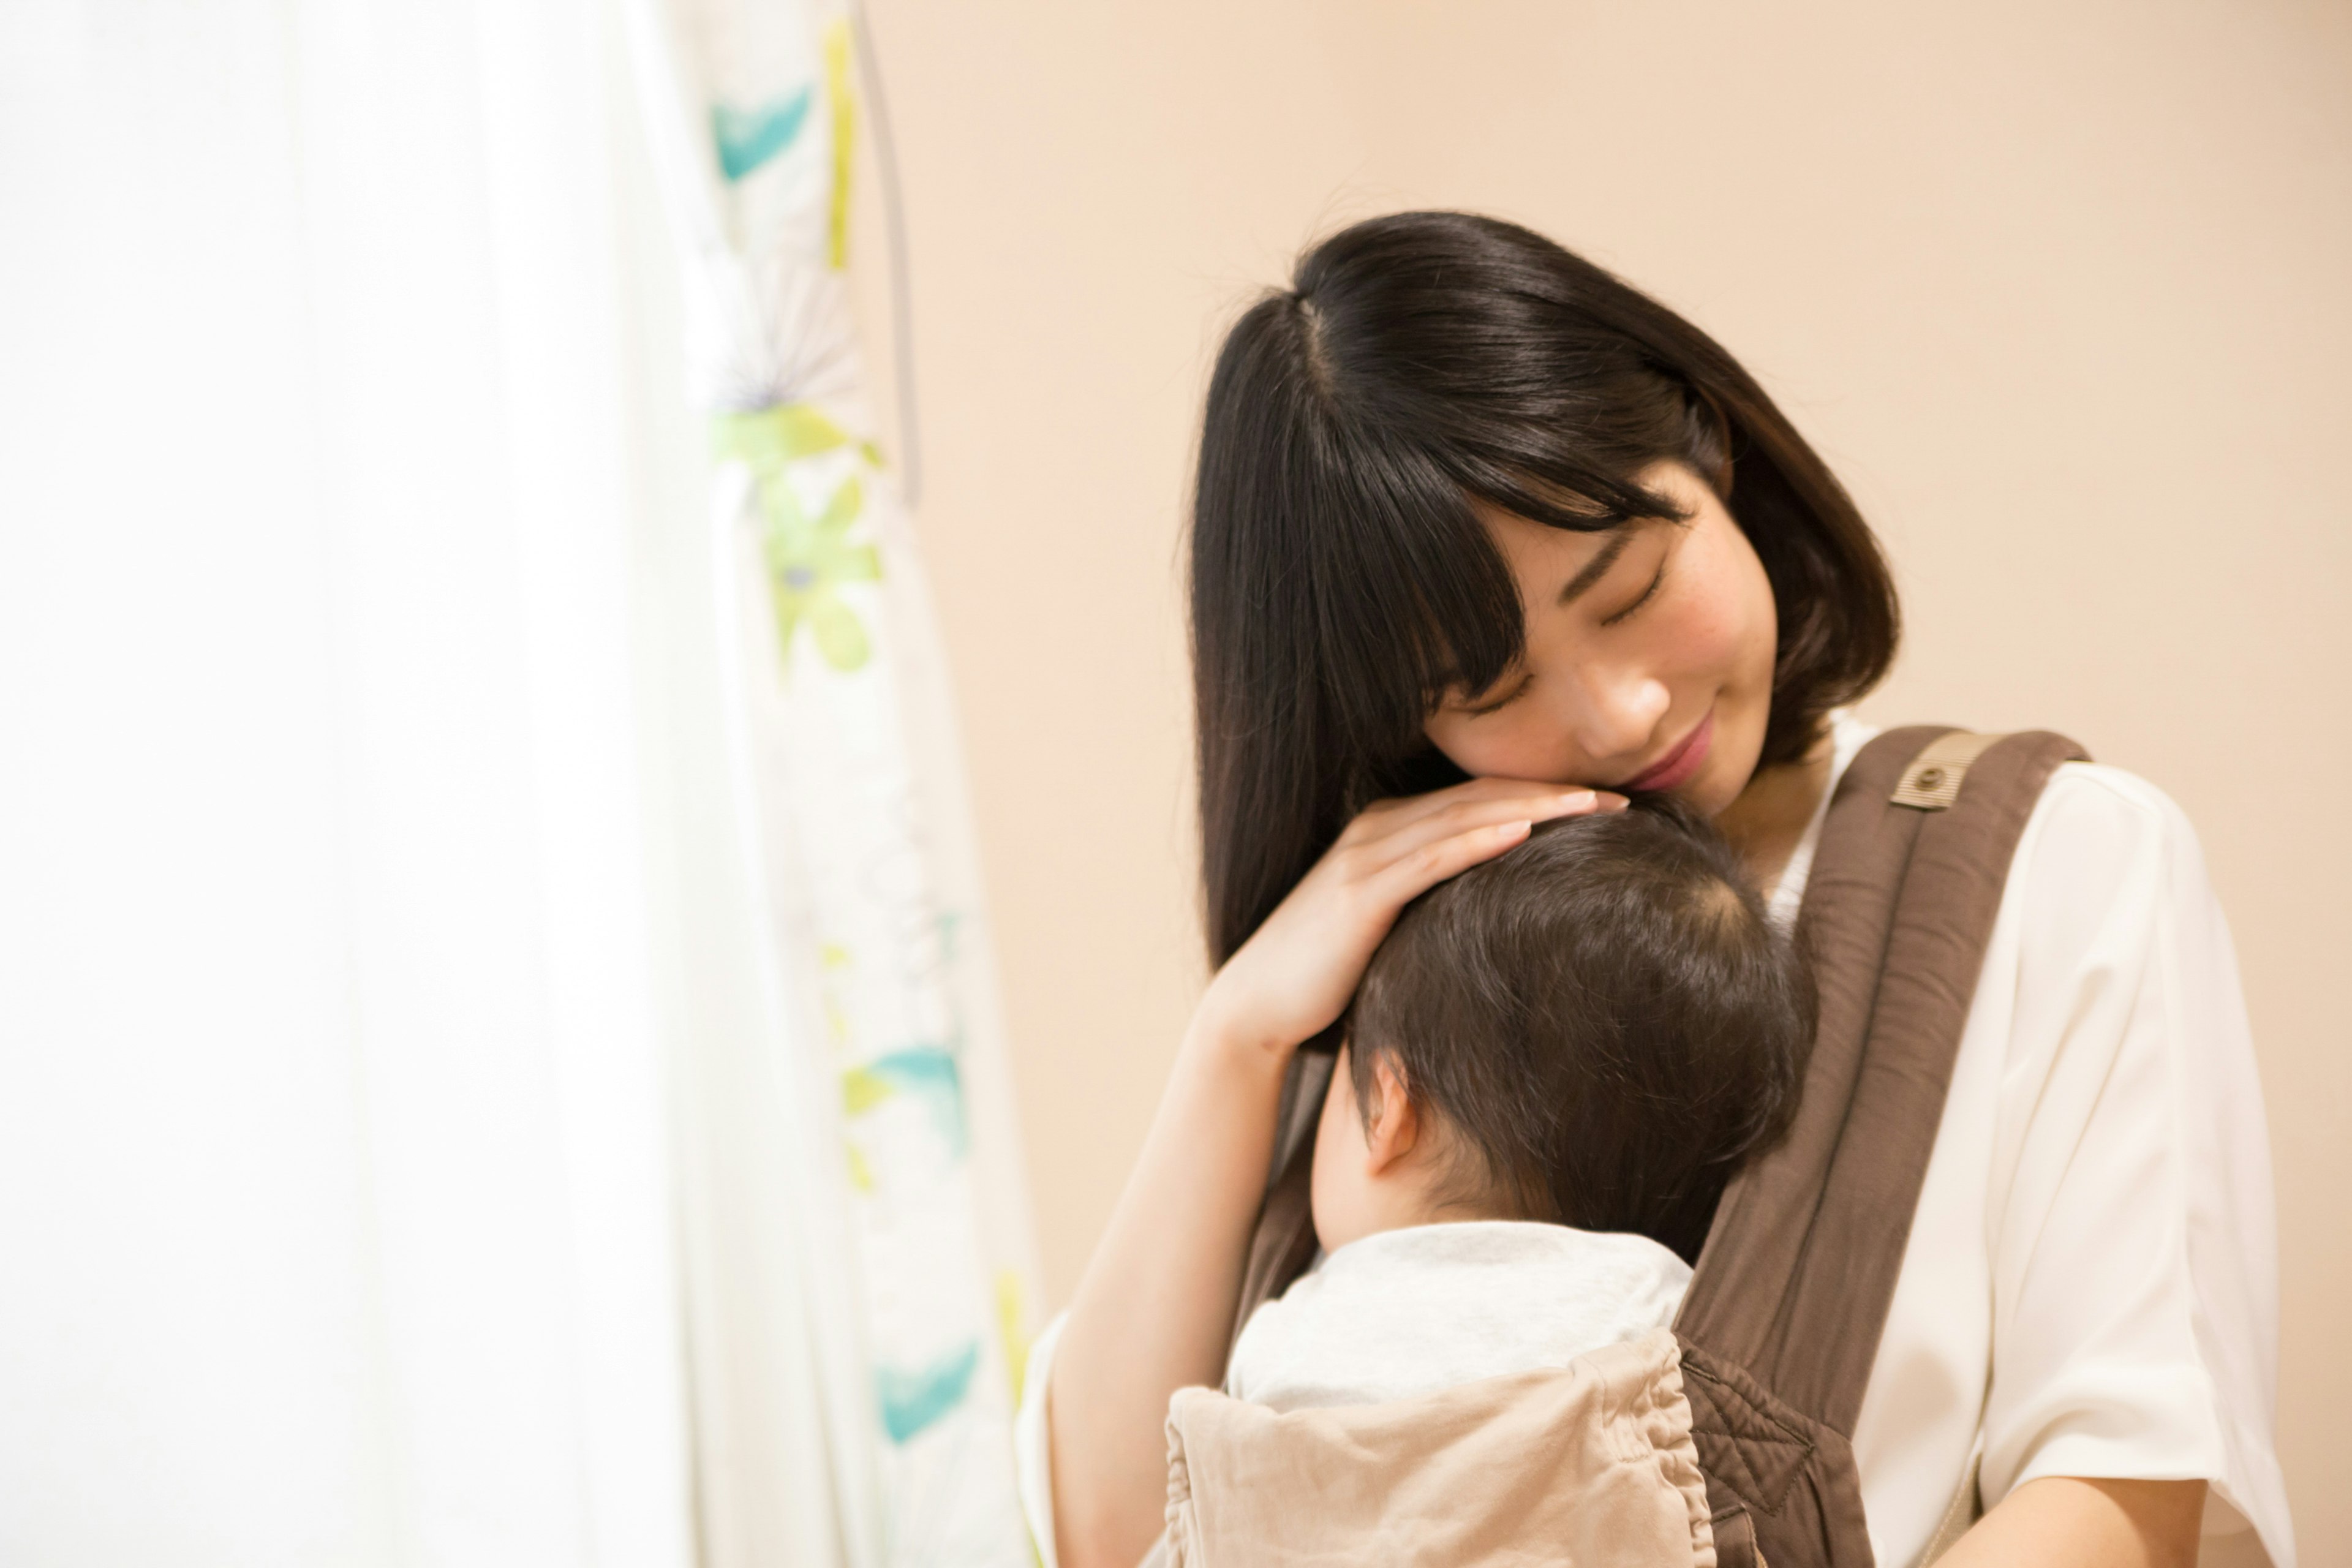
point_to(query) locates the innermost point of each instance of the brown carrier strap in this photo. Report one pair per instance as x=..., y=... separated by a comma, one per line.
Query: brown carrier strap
x=1791, y=1292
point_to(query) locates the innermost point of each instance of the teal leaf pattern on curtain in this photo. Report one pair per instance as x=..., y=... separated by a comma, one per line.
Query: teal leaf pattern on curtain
x=912, y=1401
x=748, y=138
x=926, y=1073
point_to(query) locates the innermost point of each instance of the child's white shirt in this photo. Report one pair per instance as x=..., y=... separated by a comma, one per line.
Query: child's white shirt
x=1406, y=1312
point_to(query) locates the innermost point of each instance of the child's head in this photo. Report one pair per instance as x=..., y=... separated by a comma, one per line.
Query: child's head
x=1593, y=1029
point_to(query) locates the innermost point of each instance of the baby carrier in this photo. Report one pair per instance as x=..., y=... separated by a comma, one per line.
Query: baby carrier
x=1777, y=1333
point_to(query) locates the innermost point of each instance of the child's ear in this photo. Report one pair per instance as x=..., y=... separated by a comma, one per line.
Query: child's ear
x=1392, y=1124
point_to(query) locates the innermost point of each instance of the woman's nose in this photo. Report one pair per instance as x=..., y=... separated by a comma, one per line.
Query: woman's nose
x=1621, y=711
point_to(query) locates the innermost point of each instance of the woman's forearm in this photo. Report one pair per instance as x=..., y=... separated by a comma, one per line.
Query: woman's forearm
x=2083, y=1523
x=1155, y=1308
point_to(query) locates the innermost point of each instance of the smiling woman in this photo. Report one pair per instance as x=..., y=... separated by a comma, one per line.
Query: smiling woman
x=1427, y=448
x=1483, y=536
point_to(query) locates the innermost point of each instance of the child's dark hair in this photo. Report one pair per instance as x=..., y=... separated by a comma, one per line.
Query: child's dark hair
x=1604, y=1017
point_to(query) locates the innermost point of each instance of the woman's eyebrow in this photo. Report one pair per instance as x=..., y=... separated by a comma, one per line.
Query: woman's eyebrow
x=1598, y=567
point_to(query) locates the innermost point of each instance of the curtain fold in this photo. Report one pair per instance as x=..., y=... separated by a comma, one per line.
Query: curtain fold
x=911, y=1246
x=335, y=1172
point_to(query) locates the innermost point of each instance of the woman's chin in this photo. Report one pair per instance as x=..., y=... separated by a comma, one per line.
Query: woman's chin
x=1739, y=746
x=1708, y=794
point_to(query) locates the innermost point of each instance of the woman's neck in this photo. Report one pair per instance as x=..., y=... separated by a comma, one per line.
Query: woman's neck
x=1768, y=818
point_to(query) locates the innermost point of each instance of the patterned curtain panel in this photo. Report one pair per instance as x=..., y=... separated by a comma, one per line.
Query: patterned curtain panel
x=913, y=1248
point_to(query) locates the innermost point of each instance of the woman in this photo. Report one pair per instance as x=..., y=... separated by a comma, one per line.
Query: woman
x=1483, y=536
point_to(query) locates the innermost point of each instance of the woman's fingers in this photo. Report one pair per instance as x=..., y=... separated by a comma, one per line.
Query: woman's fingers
x=1526, y=804
x=1296, y=972
x=1385, y=816
x=1417, y=856
x=1412, y=874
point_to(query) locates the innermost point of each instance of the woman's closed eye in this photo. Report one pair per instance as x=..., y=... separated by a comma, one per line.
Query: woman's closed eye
x=1512, y=689
x=1657, y=581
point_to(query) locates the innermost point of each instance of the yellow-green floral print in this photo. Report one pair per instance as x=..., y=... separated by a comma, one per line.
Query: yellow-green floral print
x=768, y=439
x=808, y=560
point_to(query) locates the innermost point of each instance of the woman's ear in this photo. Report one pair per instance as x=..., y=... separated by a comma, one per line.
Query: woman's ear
x=1391, y=1123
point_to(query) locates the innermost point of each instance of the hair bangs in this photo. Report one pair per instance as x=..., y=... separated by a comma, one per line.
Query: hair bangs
x=1411, y=598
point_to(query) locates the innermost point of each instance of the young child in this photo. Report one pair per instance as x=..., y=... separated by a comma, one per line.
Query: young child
x=1554, y=1064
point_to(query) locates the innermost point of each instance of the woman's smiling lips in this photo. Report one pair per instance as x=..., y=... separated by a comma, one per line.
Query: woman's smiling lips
x=1679, y=766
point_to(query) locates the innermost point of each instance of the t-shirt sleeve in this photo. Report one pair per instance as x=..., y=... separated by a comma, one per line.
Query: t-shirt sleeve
x=1032, y=1459
x=2130, y=1220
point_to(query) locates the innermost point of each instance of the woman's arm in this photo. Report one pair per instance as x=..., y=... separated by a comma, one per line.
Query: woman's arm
x=2067, y=1521
x=1154, y=1310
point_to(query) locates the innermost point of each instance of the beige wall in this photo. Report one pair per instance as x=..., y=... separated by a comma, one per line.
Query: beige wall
x=2060, y=290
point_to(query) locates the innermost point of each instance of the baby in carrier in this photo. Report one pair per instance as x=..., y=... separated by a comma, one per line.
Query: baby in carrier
x=1553, y=1065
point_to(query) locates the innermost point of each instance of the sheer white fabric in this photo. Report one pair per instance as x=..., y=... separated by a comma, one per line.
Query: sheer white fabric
x=334, y=1184
x=2091, y=1283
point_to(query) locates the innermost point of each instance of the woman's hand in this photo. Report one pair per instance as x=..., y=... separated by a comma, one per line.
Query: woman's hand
x=1156, y=1306
x=1294, y=977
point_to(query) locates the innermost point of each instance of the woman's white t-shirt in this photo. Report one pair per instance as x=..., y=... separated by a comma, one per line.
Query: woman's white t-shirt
x=2090, y=1287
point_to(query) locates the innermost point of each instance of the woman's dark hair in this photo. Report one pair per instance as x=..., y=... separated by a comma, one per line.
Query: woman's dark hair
x=1603, y=1019
x=1341, y=582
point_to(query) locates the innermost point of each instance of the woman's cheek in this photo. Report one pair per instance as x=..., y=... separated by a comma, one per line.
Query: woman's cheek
x=1726, y=633
x=1721, y=631
x=1518, y=745
x=1705, y=643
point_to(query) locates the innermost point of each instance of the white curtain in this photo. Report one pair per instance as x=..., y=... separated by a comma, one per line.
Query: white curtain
x=333, y=1181
x=396, y=1162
